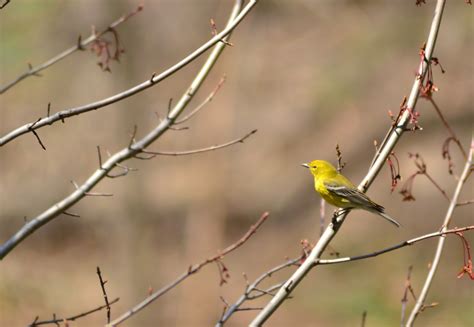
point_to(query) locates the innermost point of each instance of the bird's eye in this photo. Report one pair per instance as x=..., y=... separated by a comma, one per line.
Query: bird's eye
x=314, y=167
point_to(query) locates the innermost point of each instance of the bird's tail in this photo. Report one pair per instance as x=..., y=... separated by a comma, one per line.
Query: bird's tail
x=384, y=215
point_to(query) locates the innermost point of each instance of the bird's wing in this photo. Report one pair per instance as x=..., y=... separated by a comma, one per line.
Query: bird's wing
x=353, y=195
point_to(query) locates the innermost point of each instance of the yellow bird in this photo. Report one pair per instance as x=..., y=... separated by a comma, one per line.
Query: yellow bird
x=340, y=192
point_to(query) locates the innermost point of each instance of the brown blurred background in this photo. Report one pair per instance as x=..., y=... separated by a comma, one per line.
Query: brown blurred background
x=308, y=75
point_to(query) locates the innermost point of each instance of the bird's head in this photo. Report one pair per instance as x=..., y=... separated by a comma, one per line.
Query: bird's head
x=320, y=168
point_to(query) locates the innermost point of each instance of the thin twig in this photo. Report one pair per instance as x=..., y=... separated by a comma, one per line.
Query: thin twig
x=61, y=115
x=4, y=4
x=207, y=149
x=99, y=155
x=467, y=267
x=132, y=137
x=67, y=213
x=230, y=310
x=364, y=318
x=91, y=193
x=437, y=186
x=206, y=101
x=72, y=318
x=408, y=289
x=104, y=293
x=80, y=45
x=340, y=164
x=31, y=129
x=446, y=124
x=464, y=203
x=190, y=271
x=407, y=189
x=394, y=247
x=250, y=288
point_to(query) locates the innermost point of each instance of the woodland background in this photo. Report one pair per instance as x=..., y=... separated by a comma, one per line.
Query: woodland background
x=307, y=75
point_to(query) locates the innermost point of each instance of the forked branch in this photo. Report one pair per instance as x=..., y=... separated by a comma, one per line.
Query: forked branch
x=191, y=270
x=155, y=79
x=130, y=151
x=80, y=45
x=439, y=250
x=252, y=291
x=56, y=321
x=385, y=149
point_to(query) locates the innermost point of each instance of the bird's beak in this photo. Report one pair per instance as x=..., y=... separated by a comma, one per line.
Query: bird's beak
x=305, y=165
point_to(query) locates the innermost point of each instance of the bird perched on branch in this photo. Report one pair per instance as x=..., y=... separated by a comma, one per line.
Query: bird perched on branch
x=340, y=192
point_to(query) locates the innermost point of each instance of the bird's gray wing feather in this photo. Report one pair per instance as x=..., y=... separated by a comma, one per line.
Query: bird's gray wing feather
x=359, y=198
x=353, y=195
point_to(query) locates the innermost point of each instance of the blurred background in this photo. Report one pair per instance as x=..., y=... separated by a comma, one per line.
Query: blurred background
x=307, y=75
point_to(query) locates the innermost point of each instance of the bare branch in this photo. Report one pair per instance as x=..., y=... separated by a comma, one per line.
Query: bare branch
x=206, y=101
x=190, y=271
x=448, y=127
x=214, y=32
x=394, y=166
x=67, y=213
x=80, y=45
x=91, y=193
x=207, y=149
x=340, y=164
x=132, y=137
x=72, y=318
x=408, y=289
x=170, y=102
x=253, y=292
x=253, y=288
x=364, y=318
x=406, y=190
x=394, y=247
x=137, y=147
x=467, y=267
x=4, y=4
x=104, y=293
x=385, y=149
x=31, y=129
x=61, y=115
x=434, y=266
x=99, y=155
x=465, y=203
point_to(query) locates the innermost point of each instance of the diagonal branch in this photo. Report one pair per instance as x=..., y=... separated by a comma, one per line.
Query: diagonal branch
x=128, y=152
x=386, y=148
x=408, y=290
x=80, y=45
x=231, y=309
x=191, y=270
x=57, y=321
x=61, y=115
x=206, y=101
x=439, y=250
x=394, y=247
x=210, y=148
x=6, y=2
x=104, y=293
x=464, y=203
x=446, y=124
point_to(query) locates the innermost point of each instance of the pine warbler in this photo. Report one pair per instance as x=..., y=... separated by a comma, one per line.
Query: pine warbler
x=340, y=192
